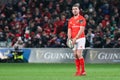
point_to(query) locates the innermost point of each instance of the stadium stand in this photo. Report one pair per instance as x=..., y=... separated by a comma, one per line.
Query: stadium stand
x=43, y=23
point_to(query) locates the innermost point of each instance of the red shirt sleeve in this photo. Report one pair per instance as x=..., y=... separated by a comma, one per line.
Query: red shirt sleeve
x=82, y=22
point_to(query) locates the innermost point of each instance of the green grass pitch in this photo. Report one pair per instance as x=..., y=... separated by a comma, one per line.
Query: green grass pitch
x=64, y=71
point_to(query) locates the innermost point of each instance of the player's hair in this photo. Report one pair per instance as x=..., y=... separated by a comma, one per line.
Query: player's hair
x=76, y=5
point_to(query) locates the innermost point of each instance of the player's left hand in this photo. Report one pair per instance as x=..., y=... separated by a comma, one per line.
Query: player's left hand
x=74, y=40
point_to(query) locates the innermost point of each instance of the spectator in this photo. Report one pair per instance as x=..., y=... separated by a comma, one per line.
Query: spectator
x=90, y=36
x=108, y=43
x=2, y=35
x=19, y=43
x=117, y=45
x=102, y=16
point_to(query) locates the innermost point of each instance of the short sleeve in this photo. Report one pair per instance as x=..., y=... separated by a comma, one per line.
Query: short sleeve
x=82, y=21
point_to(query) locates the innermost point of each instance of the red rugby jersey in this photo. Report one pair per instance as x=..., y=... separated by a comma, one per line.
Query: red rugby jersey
x=75, y=24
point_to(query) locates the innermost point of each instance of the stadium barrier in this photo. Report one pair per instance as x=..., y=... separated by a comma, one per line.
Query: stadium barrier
x=65, y=55
x=103, y=55
x=51, y=55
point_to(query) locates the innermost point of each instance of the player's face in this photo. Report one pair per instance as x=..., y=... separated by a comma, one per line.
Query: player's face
x=75, y=11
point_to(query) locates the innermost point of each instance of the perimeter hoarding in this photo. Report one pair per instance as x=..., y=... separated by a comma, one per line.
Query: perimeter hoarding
x=65, y=55
x=103, y=55
x=51, y=55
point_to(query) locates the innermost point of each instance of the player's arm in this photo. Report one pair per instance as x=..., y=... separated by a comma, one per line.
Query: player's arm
x=69, y=40
x=82, y=28
x=69, y=30
x=69, y=33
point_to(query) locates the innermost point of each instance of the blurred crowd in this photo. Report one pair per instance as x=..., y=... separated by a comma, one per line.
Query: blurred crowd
x=43, y=23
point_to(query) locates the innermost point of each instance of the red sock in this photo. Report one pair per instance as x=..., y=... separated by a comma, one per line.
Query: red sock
x=82, y=64
x=77, y=63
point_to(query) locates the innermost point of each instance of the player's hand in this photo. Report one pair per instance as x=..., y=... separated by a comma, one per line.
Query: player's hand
x=69, y=43
x=74, y=40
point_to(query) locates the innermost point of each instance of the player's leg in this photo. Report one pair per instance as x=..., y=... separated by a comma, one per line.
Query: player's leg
x=77, y=63
x=82, y=62
x=80, y=47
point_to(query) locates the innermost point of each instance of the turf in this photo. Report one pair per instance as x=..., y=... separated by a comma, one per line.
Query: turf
x=30, y=71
